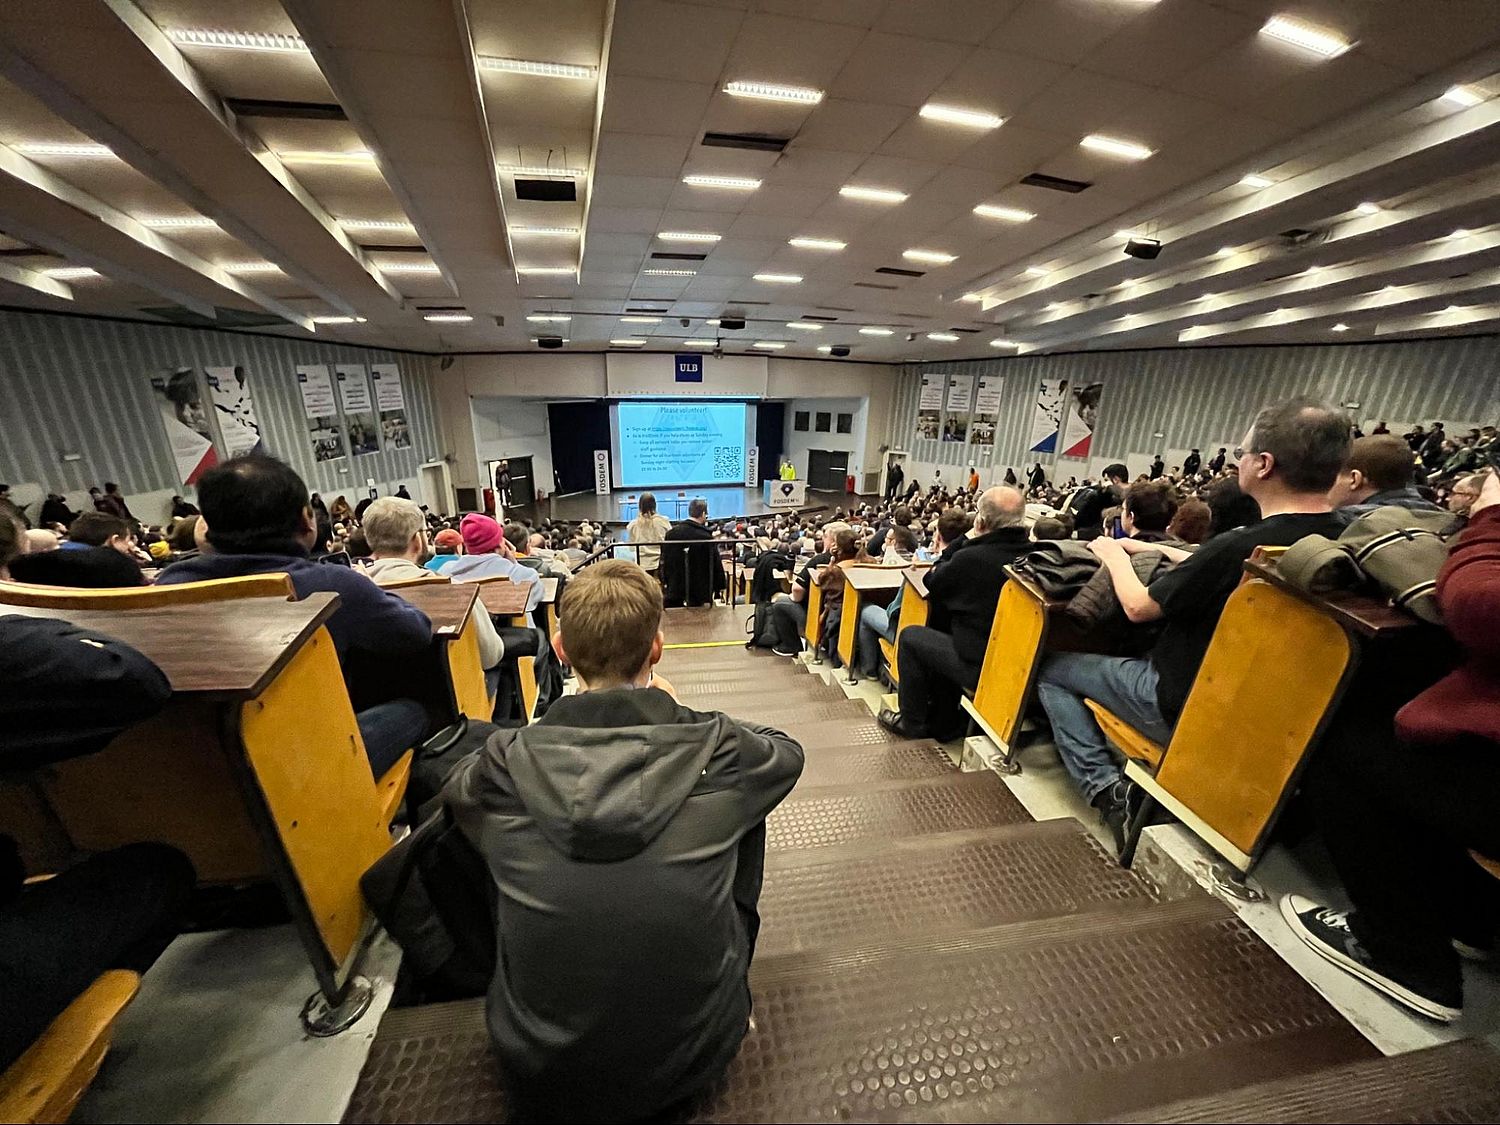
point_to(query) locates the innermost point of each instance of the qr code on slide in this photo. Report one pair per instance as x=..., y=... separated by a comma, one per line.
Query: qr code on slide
x=727, y=461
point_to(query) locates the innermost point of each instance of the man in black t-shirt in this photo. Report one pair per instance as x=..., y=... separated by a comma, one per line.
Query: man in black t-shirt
x=1289, y=461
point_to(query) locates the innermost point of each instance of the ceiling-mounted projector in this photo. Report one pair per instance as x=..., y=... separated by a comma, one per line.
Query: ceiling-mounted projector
x=549, y=341
x=731, y=323
x=839, y=350
x=1147, y=248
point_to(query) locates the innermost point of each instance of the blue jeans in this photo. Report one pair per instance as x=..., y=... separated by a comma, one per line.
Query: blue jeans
x=390, y=730
x=1125, y=685
x=875, y=621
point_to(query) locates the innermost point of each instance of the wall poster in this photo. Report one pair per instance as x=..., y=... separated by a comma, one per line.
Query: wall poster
x=184, y=417
x=229, y=391
x=986, y=411
x=1081, y=418
x=359, y=411
x=390, y=400
x=930, y=405
x=322, y=412
x=1051, y=395
x=960, y=402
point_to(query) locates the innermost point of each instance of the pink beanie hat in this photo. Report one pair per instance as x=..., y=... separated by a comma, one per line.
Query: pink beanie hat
x=481, y=534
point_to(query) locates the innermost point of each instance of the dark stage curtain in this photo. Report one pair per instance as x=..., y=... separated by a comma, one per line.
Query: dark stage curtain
x=577, y=429
x=770, y=420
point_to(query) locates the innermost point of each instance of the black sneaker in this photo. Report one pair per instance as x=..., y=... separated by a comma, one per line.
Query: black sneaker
x=779, y=652
x=1114, y=809
x=1326, y=932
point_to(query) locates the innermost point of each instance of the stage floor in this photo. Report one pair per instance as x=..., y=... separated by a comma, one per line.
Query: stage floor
x=723, y=503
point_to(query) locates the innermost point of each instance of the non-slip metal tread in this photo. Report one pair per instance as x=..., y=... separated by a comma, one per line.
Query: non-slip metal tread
x=806, y=687
x=865, y=765
x=829, y=815
x=821, y=898
x=1067, y=1019
x=1454, y=1082
x=844, y=731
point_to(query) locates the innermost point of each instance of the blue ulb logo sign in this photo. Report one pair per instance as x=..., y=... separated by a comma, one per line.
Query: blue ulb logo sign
x=690, y=369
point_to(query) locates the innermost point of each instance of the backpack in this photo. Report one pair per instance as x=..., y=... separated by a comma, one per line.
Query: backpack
x=1391, y=550
x=434, y=760
x=758, y=627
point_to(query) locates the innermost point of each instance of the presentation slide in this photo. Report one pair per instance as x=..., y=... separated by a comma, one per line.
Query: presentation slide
x=679, y=443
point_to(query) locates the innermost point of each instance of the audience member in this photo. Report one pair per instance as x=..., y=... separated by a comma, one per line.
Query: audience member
x=692, y=572
x=648, y=526
x=789, y=611
x=112, y=502
x=99, y=554
x=447, y=546
x=487, y=554
x=1089, y=503
x=1191, y=523
x=9, y=507
x=181, y=508
x=55, y=510
x=1379, y=475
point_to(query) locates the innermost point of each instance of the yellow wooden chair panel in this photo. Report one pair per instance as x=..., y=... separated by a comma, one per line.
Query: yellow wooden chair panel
x=275, y=585
x=1012, y=656
x=814, y=630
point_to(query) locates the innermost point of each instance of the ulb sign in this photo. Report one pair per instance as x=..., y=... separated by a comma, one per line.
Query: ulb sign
x=690, y=369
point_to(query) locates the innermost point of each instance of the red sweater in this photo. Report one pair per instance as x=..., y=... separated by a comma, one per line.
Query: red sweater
x=1467, y=701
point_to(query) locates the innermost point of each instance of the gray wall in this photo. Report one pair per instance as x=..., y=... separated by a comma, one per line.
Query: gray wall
x=1205, y=397
x=70, y=383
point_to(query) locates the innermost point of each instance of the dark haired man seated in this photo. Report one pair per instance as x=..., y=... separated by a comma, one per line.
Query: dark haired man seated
x=625, y=835
x=259, y=520
x=99, y=553
x=1380, y=474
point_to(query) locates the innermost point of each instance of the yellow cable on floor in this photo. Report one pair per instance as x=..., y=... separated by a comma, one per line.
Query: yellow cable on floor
x=706, y=644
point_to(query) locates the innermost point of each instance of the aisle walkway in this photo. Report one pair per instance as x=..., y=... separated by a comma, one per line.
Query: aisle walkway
x=929, y=950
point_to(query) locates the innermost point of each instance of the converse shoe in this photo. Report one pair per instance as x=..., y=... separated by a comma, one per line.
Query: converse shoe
x=1326, y=932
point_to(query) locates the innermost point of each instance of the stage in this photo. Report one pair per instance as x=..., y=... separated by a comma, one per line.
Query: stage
x=723, y=503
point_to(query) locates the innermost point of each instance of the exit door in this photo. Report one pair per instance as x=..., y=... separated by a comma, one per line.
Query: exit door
x=827, y=469
x=514, y=484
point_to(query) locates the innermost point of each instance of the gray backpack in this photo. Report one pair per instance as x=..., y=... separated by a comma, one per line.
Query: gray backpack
x=1393, y=551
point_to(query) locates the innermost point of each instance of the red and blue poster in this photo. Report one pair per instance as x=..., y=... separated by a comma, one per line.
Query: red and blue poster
x=1082, y=416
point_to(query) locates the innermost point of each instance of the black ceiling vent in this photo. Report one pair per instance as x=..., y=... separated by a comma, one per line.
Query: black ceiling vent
x=393, y=248
x=222, y=318
x=894, y=272
x=835, y=308
x=668, y=256
x=265, y=107
x=643, y=309
x=547, y=191
x=871, y=285
x=763, y=304
x=970, y=331
x=758, y=142
x=815, y=316
x=1055, y=183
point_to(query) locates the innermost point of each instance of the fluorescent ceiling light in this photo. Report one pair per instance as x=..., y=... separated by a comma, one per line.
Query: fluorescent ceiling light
x=1368, y=208
x=538, y=69
x=1225, y=252
x=1113, y=146
x=873, y=194
x=669, y=273
x=876, y=332
x=953, y=115
x=250, y=267
x=805, y=325
x=825, y=348
x=542, y=271
x=1459, y=233
x=548, y=318
x=779, y=278
x=1462, y=96
x=177, y=222
x=937, y=257
x=976, y=297
x=688, y=236
x=1053, y=306
x=549, y=232
x=734, y=183
x=1309, y=37
x=448, y=318
x=1037, y=271
x=816, y=243
x=1003, y=344
x=359, y=156
x=769, y=345
x=640, y=320
x=338, y=320
x=237, y=40
x=60, y=148
x=71, y=273
x=377, y=224
x=542, y=170
x=410, y=267
x=633, y=342
x=946, y=337
x=1339, y=328
x=1009, y=214
x=700, y=343
x=766, y=92
x=714, y=322
x=1206, y=297
x=1130, y=234
x=1253, y=180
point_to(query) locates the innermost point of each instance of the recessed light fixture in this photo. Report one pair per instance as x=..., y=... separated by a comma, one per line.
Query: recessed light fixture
x=377, y=224
x=877, y=332
x=669, y=273
x=177, y=222
x=805, y=325
x=872, y=194
x=1253, y=180
x=688, y=236
x=71, y=273
x=548, y=318
x=338, y=320
x=1368, y=208
x=825, y=348
x=1317, y=40
x=1009, y=214
x=700, y=343
x=1206, y=297
x=1225, y=252
x=767, y=92
x=779, y=278
x=250, y=267
x=1459, y=233
x=1129, y=234
x=1462, y=96
x=936, y=257
x=237, y=40
x=1339, y=328
x=713, y=322
x=974, y=297
x=413, y=267
x=640, y=320
x=542, y=170
x=352, y=156
x=546, y=232
x=954, y=115
x=731, y=183
x=1037, y=271
x=631, y=342
x=816, y=243
x=945, y=337
x=1114, y=146
x=63, y=148
x=447, y=318
x=1003, y=344
x=1053, y=306
x=545, y=271
x=537, y=69
x=769, y=345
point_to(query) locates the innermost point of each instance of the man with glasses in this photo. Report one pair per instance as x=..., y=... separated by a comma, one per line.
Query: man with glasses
x=1289, y=461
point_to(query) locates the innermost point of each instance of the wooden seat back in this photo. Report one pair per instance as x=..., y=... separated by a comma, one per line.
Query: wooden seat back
x=46, y=1082
x=814, y=630
x=275, y=585
x=914, y=610
x=1018, y=640
x=406, y=583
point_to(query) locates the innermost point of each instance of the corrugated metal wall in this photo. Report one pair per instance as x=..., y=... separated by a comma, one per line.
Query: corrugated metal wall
x=74, y=384
x=1206, y=397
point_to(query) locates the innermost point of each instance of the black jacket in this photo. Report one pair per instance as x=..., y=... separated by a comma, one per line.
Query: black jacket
x=626, y=836
x=691, y=573
x=87, y=568
x=963, y=591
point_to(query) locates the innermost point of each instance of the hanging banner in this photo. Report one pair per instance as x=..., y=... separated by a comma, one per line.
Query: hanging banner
x=391, y=402
x=960, y=401
x=1050, y=396
x=321, y=411
x=179, y=399
x=752, y=467
x=359, y=411
x=229, y=391
x=601, y=472
x=986, y=411
x=1082, y=416
x=929, y=406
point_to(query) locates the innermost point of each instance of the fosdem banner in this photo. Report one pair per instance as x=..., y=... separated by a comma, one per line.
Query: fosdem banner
x=179, y=400
x=322, y=412
x=1082, y=416
x=1051, y=394
x=229, y=390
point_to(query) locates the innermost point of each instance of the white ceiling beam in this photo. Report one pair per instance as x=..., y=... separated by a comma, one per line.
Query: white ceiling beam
x=588, y=187
x=35, y=279
x=1468, y=318
x=476, y=91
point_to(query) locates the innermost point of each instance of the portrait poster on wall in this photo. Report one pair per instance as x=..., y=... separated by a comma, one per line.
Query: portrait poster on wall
x=234, y=409
x=986, y=411
x=359, y=409
x=1081, y=417
x=930, y=405
x=184, y=417
x=1051, y=395
x=322, y=412
x=960, y=402
x=390, y=400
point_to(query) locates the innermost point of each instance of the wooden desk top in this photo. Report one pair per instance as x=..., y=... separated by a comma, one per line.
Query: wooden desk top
x=217, y=650
x=916, y=578
x=549, y=589
x=501, y=596
x=448, y=605
x=864, y=578
x=1359, y=613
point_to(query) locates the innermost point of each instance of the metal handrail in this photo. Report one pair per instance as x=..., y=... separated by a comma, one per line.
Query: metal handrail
x=609, y=549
